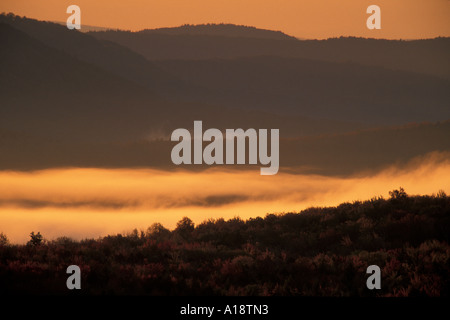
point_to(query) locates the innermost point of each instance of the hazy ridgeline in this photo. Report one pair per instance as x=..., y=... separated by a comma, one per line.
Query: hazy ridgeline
x=111, y=99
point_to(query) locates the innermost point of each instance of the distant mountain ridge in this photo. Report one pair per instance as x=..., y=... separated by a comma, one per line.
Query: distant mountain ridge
x=107, y=55
x=86, y=27
x=428, y=56
x=223, y=30
x=71, y=99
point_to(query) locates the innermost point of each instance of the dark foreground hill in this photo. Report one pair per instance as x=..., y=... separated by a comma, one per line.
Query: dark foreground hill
x=317, y=252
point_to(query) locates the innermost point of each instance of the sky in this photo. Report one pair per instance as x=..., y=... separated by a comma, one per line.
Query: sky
x=318, y=19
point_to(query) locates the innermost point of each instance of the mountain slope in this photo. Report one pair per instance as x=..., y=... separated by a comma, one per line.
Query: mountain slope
x=292, y=86
x=48, y=92
x=109, y=56
x=58, y=109
x=317, y=89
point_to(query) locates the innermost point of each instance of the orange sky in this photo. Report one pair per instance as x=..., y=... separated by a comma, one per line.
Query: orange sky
x=404, y=19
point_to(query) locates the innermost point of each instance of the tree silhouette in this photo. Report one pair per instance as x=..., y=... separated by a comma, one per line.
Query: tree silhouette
x=3, y=239
x=36, y=239
x=398, y=194
x=157, y=231
x=185, y=227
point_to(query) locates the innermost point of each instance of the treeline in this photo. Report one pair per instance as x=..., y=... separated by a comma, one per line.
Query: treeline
x=317, y=252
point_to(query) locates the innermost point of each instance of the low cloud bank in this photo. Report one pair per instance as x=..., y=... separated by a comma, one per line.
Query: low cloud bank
x=81, y=202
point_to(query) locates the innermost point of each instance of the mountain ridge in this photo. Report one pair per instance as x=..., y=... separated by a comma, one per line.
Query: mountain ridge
x=222, y=29
x=428, y=56
x=68, y=99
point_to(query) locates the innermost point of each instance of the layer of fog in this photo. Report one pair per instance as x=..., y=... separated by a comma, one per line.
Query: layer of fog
x=80, y=202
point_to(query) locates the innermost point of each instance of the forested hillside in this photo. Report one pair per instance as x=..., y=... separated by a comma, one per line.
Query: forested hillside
x=317, y=252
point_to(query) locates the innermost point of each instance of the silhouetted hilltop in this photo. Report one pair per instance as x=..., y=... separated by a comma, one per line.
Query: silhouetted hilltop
x=222, y=30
